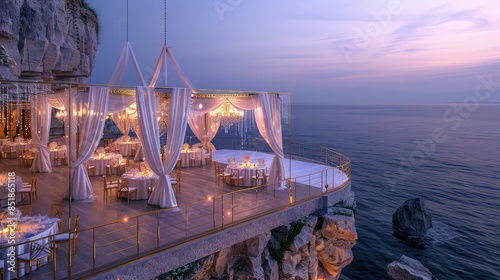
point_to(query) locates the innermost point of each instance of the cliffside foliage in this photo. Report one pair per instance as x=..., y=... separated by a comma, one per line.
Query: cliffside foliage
x=5, y=59
x=184, y=272
x=279, y=253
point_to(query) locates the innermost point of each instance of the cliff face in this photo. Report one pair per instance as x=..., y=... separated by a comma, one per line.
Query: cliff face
x=50, y=39
x=316, y=247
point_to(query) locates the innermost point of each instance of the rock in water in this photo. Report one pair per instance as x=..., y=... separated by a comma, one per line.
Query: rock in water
x=408, y=269
x=411, y=220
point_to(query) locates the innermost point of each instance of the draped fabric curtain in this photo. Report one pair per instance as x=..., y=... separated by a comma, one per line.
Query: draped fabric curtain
x=268, y=119
x=117, y=106
x=163, y=194
x=58, y=100
x=121, y=121
x=203, y=128
x=85, y=132
x=40, y=130
x=117, y=76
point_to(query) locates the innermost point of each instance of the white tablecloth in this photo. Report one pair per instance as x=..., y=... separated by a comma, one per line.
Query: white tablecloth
x=186, y=157
x=247, y=172
x=44, y=226
x=100, y=163
x=53, y=154
x=140, y=182
x=125, y=148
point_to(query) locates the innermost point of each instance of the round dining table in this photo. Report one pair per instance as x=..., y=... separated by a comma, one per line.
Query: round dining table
x=187, y=155
x=100, y=162
x=126, y=147
x=140, y=181
x=246, y=171
x=29, y=229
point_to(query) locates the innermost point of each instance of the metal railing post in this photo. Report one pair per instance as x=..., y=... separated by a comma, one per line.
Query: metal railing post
x=138, y=229
x=94, y=249
x=187, y=221
x=157, y=229
x=213, y=211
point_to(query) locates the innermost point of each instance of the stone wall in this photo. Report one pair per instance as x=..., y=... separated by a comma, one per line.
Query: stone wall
x=50, y=39
x=315, y=247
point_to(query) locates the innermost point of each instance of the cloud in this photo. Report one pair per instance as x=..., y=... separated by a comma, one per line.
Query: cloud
x=414, y=50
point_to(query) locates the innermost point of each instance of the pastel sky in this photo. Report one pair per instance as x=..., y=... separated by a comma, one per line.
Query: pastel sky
x=321, y=51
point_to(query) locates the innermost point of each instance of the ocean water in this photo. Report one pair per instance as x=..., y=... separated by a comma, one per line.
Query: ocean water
x=448, y=156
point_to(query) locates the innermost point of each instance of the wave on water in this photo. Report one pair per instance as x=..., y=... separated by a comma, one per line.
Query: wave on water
x=440, y=233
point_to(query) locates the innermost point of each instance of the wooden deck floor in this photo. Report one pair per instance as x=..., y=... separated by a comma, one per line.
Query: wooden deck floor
x=118, y=241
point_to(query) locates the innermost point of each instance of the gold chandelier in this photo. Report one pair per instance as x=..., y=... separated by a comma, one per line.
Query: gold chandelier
x=227, y=114
x=61, y=115
x=162, y=115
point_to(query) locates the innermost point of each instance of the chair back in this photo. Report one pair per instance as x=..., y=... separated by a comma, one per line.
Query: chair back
x=235, y=173
x=40, y=250
x=259, y=173
x=4, y=193
x=26, y=209
x=57, y=211
x=123, y=186
x=198, y=155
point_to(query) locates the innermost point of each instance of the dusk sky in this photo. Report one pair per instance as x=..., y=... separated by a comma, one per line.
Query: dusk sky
x=321, y=51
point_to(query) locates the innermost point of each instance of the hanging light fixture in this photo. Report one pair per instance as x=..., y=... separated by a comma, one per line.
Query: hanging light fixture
x=162, y=115
x=61, y=115
x=227, y=114
x=132, y=117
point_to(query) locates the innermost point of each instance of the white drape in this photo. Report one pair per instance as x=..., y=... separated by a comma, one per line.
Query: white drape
x=93, y=107
x=58, y=99
x=117, y=76
x=268, y=118
x=121, y=122
x=118, y=102
x=163, y=194
x=40, y=130
x=203, y=128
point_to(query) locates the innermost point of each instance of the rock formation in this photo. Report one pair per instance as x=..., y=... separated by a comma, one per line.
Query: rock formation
x=50, y=39
x=313, y=248
x=411, y=221
x=408, y=269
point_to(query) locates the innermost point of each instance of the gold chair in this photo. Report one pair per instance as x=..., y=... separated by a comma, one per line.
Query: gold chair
x=7, y=152
x=196, y=159
x=39, y=251
x=220, y=173
x=90, y=168
x=259, y=178
x=235, y=176
x=152, y=185
x=113, y=166
x=176, y=182
x=29, y=189
x=26, y=209
x=109, y=186
x=57, y=211
x=60, y=158
x=123, y=188
x=69, y=236
x=4, y=195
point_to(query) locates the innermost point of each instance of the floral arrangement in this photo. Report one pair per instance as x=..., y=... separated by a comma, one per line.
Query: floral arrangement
x=245, y=158
x=185, y=147
x=52, y=145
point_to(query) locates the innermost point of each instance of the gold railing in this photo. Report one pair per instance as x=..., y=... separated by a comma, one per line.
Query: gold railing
x=118, y=243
